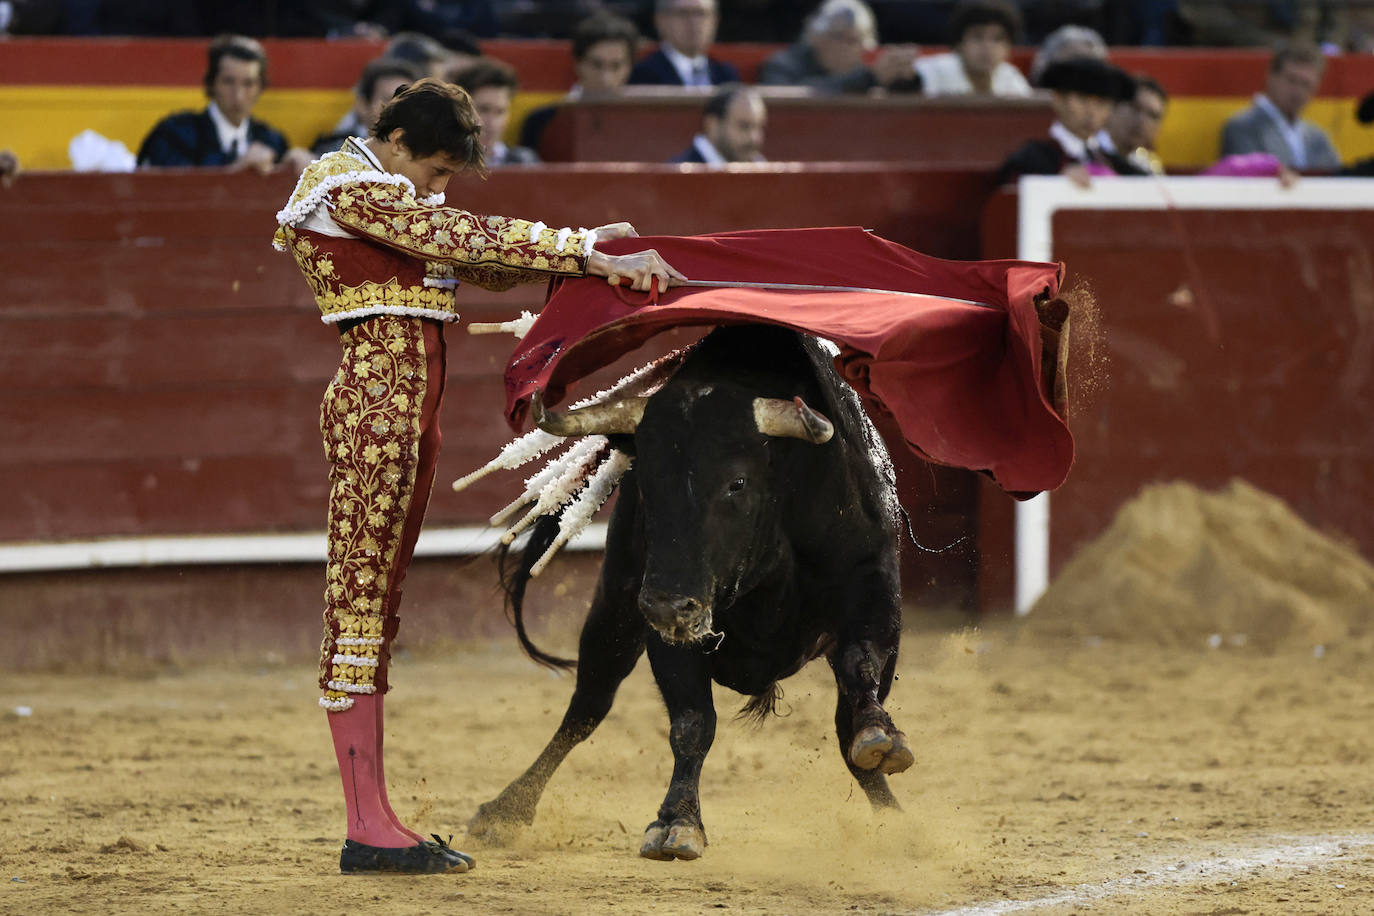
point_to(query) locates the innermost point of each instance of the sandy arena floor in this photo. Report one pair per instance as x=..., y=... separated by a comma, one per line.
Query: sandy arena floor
x=1051, y=779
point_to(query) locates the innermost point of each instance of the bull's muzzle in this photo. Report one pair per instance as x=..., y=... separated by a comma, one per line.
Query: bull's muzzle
x=677, y=618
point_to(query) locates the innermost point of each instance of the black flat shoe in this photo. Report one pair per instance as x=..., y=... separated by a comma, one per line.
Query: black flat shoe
x=422, y=859
x=443, y=846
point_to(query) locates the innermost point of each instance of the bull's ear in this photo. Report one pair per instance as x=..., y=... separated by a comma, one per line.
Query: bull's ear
x=623, y=443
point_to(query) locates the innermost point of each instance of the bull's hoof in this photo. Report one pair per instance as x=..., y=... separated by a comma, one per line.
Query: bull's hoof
x=496, y=824
x=875, y=748
x=674, y=841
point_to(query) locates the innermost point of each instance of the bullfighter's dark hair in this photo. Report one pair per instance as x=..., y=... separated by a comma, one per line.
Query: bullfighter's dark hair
x=970, y=13
x=436, y=117
x=602, y=27
x=239, y=47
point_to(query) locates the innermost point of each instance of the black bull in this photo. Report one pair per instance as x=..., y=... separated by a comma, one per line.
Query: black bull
x=737, y=556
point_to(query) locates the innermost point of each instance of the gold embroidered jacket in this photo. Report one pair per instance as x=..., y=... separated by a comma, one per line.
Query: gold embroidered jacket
x=368, y=246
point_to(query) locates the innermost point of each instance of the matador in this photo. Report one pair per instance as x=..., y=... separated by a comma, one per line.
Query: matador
x=384, y=256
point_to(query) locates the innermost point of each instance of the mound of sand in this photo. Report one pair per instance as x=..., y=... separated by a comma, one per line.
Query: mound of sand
x=1179, y=565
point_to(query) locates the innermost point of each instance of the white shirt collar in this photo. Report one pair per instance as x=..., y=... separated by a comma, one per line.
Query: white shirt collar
x=228, y=133
x=359, y=148
x=685, y=66
x=1103, y=141
x=1073, y=146
x=708, y=150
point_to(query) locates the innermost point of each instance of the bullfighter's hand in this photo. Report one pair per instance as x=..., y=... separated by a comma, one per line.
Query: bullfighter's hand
x=611, y=231
x=642, y=268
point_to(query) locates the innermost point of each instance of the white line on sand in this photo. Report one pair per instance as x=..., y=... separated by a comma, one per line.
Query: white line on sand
x=1284, y=853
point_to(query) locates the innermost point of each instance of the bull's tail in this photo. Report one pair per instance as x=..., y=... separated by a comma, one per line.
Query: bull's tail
x=515, y=576
x=760, y=706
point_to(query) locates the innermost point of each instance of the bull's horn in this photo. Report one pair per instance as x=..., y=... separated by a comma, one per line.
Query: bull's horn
x=793, y=419
x=593, y=420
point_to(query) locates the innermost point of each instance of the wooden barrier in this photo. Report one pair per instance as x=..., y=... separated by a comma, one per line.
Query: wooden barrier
x=651, y=125
x=161, y=366
x=1234, y=341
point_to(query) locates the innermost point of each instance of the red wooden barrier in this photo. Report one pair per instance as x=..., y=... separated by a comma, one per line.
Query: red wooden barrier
x=652, y=125
x=161, y=366
x=1243, y=349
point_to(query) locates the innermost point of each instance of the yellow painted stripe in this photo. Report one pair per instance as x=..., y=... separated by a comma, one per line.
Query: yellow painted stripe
x=40, y=121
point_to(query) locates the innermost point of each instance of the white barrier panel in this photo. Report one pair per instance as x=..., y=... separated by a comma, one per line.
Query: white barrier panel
x=243, y=548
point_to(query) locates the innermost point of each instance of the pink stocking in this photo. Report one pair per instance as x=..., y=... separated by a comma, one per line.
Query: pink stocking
x=381, y=776
x=358, y=747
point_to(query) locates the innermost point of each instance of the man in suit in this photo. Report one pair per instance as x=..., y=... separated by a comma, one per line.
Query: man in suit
x=603, y=48
x=492, y=86
x=731, y=129
x=225, y=133
x=378, y=83
x=686, y=31
x=1274, y=125
x=831, y=55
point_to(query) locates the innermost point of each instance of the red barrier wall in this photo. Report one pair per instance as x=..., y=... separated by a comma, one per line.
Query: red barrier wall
x=1240, y=345
x=651, y=125
x=161, y=366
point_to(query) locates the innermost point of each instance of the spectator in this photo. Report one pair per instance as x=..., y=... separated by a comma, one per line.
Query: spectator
x=1273, y=124
x=686, y=31
x=981, y=33
x=603, y=48
x=225, y=133
x=1134, y=125
x=492, y=86
x=830, y=55
x=9, y=167
x=378, y=83
x=1083, y=92
x=432, y=57
x=731, y=129
x=1065, y=43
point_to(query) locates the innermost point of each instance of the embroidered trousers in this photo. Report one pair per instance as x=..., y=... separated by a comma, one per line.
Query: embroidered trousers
x=380, y=423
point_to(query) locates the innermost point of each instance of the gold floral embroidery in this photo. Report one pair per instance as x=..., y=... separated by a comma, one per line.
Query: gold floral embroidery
x=370, y=422
x=335, y=298
x=393, y=216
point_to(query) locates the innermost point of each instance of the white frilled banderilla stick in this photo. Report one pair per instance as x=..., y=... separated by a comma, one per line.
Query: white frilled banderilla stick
x=536, y=442
x=582, y=478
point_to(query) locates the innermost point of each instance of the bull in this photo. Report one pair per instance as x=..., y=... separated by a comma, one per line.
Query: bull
x=755, y=531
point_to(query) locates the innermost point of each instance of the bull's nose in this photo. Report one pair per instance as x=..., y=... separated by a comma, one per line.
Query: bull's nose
x=666, y=611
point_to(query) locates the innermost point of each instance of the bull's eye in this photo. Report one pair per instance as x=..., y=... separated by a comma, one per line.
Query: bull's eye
x=736, y=485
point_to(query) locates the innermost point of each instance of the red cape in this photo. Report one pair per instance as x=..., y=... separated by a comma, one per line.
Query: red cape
x=964, y=382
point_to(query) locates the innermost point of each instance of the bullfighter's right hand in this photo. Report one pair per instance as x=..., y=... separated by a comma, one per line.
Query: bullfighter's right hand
x=641, y=268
